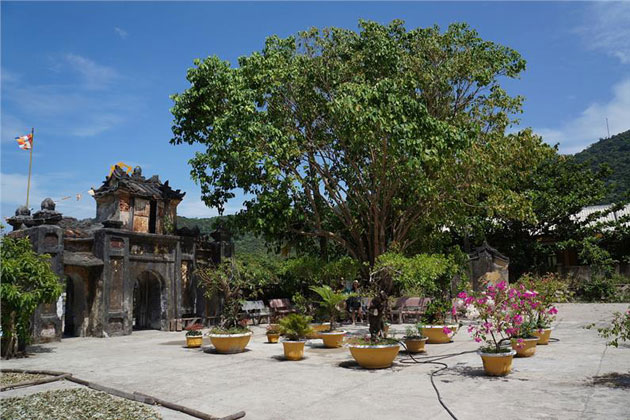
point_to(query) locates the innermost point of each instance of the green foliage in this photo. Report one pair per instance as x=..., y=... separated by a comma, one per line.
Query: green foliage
x=551, y=287
x=599, y=288
x=558, y=187
x=238, y=329
x=619, y=329
x=330, y=301
x=420, y=275
x=414, y=332
x=295, y=327
x=435, y=313
x=372, y=341
x=226, y=281
x=613, y=152
x=27, y=281
x=299, y=274
x=359, y=140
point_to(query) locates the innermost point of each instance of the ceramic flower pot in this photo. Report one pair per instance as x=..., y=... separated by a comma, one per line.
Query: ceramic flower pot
x=293, y=350
x=543, y=335
x=497, y=364
x=230, y=343
x=194, y=341
x=374, y=357
x=524, y=347
x=415, y=345
x=317, y=328
x=332, y=339
x=439, y=334
x=272, y=338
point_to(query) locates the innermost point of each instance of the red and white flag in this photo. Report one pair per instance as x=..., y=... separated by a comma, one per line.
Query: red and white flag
x=25, y=142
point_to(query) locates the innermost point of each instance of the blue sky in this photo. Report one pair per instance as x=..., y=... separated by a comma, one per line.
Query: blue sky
x=94, y=79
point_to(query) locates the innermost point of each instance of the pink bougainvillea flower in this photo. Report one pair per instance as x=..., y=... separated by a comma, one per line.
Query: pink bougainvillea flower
x=477, y=340
x=502, y=285
x=554, y=311
x=462, y=295
x=447, y=330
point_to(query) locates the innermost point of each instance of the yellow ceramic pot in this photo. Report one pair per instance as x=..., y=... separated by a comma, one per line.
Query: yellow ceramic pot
x=272, y=338
x=293, y=350
x=317, y=328
x=415, y=345
x=543, y=335
x=230, y=343
x=497, y=364
x=332, y=339
x=193, y=341
x=524, y=347
x=374, y=357
x=436, y=334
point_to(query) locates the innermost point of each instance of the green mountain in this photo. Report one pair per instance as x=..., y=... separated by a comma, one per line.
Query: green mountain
x=615, y=152
x=244, y=243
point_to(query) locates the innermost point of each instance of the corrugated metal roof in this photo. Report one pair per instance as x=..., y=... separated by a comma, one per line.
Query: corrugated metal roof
x=611, y=217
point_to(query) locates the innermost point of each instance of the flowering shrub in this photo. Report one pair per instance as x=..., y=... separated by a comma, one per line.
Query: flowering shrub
x=548, y=289
x=504, y=313
x=619, y=330
x=273, y=329
x=414, y=333
x=194, y=330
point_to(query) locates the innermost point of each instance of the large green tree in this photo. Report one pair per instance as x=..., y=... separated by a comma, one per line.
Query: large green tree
x=360, y=139
x=27, y=281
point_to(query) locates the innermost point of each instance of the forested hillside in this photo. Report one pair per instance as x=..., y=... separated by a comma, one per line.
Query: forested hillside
x=244, y=243
x=614, y=151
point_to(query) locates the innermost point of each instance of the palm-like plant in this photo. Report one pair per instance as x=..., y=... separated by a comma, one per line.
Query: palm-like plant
x=330, y=301
x=295, y=327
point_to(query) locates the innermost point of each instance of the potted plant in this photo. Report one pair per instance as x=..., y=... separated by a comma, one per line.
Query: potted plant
x=414, y=339
x=194, y=336
x=549, y=289
x=522, y=305
x=375, y=351
x=273, y=333
x=434, y=322
x=232, y=334
x=494, y=327
x=330, y=301
x=294, y=328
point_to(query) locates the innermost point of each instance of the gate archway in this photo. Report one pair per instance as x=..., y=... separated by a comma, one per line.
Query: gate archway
x=148, y=308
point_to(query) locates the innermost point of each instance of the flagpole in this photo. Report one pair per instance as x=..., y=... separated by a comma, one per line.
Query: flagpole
x=30, y=165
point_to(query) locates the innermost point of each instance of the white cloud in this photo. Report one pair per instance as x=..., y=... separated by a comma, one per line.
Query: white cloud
x=55, y=185
x=607, y=28
x=577, y=133
x=194, y=207
x=12, y=127
x=88, y=105
x=120, y=32
x=95, y=76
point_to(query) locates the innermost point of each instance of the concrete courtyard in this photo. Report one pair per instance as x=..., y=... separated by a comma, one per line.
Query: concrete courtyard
x=557, y=383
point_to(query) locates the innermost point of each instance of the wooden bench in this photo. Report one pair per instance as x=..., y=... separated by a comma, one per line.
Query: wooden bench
x=280, y=307
x=409, y=306
x=256, y=310
x=414, y=307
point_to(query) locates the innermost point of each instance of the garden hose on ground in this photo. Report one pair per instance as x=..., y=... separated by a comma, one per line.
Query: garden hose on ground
x=434, y=362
